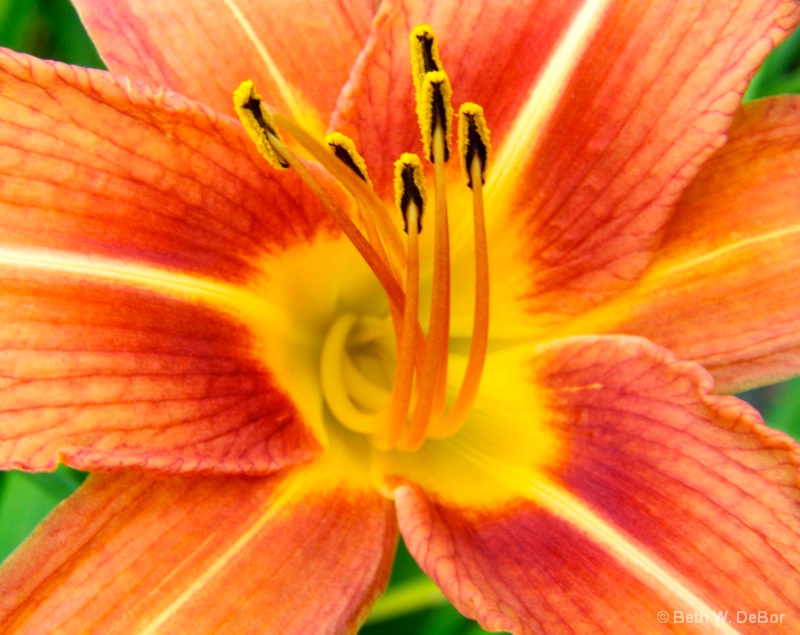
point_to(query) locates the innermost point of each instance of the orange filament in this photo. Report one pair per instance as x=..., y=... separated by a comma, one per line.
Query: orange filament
x=358, y=188
x=379, y=267
x=434, y=374
x=439, y=326
x=345, y=150
x=404, y=378
x=458, y=413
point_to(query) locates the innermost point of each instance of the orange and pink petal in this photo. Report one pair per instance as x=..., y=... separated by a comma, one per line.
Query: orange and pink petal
x=97, y=164
x=595, y=181
x=138, y=231
x=299, y=53
x=724, y=289
x=296, y=552
x=102, y=376
x=670, y=499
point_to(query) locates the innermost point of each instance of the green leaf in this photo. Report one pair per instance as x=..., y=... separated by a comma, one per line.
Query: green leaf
x=25, y=499
x=49, y=29
x=783, y=411
x=780, y=72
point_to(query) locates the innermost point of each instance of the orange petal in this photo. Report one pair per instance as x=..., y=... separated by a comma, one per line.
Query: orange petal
x=127, y=216
x=99, y=377
x=724, y=289
x=95, y=164
x=592, y=184
x=667, y=498
x=299, y=54
x=293, y=553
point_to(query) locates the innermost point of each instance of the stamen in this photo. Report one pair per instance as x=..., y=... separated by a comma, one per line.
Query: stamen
x=257, y=121
x=473, y=143
x=439, y=325
x=345, y=150
x=410, y=198
x=409, y=187
x=473, y=140
x=365, y=196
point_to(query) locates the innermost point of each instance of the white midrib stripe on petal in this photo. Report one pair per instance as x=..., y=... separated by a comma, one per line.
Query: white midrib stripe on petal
x=274, y=507
x=272, y=67
x=297, y=108
x=548, y=495
x=234, y=300
x=565, y=506
x=546, y=93
x=682, y=265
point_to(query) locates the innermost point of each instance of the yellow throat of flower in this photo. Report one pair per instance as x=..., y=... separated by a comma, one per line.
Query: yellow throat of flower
x=399, y=411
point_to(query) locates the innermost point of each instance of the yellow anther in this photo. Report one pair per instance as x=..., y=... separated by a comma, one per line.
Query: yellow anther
x=345, y=150
x=409, y=187
x=424, y=54
x=435, y=111
x=473, y=140
x=257, y=121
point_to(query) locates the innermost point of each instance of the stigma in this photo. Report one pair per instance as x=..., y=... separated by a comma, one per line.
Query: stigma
x=410, y=403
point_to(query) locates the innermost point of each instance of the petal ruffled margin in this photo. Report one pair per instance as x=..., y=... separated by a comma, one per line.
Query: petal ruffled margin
x=724, y=289
x=669, y=499
x=298, y=53
x=297, y=552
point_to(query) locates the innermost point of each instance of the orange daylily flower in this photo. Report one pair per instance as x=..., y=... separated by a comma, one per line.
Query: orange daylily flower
x=194, y=326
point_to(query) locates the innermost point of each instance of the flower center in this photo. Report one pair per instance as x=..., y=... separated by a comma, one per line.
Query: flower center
x=357, y=369
x=387, y=378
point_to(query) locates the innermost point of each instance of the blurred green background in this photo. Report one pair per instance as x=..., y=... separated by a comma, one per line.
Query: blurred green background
x=51, y=29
